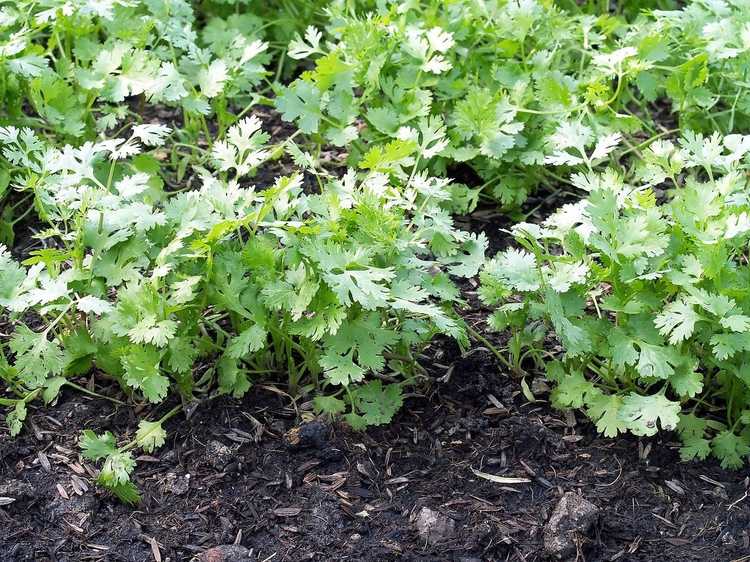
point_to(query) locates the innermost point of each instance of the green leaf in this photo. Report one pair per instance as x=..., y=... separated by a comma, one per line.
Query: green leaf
x=150, y=435
x=232, y=379
x=96, y=447
x=116, y=469
x=341, y=369
x=376, y=403
x=686, y=381
x=249, y=341
x=301, y=102
x=604, y=410
x=516, y=269
x=571, y=391
x=692, y=431
x=656, y=361
x=329, y=405
x=641, y=413
x=141, y=366
x=357, y=422
x=623, y=348
x=126, y=492
x=36, y=356
x=16, y=417
x=731, y=449
x=52, y=388
x=677, y=321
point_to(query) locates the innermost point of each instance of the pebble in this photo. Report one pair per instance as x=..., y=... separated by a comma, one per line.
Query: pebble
x=176, y=484
x=225, y=553
x=218, y=454
x=568, y=525
x=433, y=526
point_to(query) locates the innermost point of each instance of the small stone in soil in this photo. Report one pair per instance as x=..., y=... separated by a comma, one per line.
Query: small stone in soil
x=218, y=454
x=433, y=526
x=177, y=484
x=225, y=553
x=566, y=529
x=312, y=434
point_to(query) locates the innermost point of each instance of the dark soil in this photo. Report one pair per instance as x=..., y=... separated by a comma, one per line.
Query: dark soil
x=234, y=473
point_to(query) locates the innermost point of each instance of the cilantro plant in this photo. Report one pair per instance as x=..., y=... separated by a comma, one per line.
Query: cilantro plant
x=137, y=246
x=501, y=99
x=646, y=284
x=210, y=289
x=503, y=75
x=65, y=59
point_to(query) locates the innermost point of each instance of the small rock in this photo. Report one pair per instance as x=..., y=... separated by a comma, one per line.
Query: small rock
x=312, y=434
x=225, y=553
x=566, y=529
x=176, y=484
x=433, y=526
x=218, y=454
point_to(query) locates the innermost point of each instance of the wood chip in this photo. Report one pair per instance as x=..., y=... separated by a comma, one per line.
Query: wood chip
x=287, y=511
x=44, y=461
x=154, y=548
x=500, y=479
x=397, y=480
x=76, y=528
x=711, y=481
x=674, y=486
x=6, y=501
x=62, y=492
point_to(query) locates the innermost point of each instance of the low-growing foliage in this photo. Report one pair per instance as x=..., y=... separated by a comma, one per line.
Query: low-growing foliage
x=503, y=75
x=157, y=235
x=222, y=284
x=646, y=284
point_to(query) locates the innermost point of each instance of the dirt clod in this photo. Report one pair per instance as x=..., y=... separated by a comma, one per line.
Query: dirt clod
x=313, y=434
x=433, y=526
x=177, y=484
x=16, y=489
x=225, y=553
x=218, y=454
x=566, y=529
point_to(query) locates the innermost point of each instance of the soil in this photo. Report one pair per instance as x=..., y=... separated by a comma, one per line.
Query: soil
x=234, y=474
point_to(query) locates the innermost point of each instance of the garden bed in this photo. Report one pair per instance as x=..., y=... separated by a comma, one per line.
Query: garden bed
x=229, y=475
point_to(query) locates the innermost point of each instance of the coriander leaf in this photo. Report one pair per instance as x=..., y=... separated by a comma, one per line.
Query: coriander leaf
x=341, y=369
x=141, y=366
x=731, y=449
x=677, y=321
x=96, y=447
x=301, y=102
x=150, y=435
x=571, y=390
x=376, y=403
x=36, y=356
x=249, y=341
x=604, y=410
x=641, y=413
